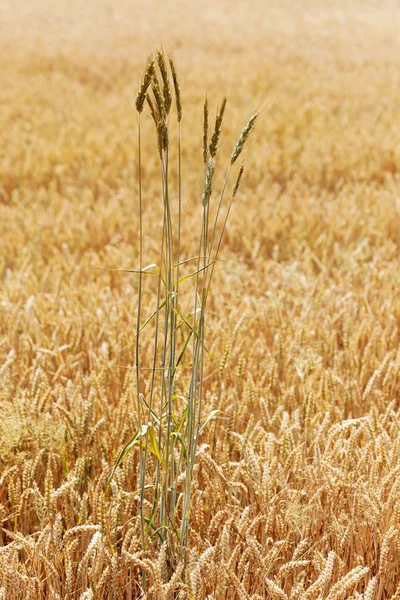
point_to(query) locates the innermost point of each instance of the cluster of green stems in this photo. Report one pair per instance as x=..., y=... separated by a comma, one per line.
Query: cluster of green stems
x=172, y=437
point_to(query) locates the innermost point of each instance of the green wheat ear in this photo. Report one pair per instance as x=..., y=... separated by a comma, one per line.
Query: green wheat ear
x=205, y=131
x=165, y=79
x=242, y=138
x=208, y=184
x=237, y=182
x=217, y=129
x=147, y=79
x=177, y=90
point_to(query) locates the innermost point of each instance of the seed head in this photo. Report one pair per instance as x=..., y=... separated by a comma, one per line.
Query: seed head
x=177, y=90
x=148, y=76
x=242, y=139
x=161, y=128
x=166, y=86
x=158, y=97
x=208, y=184
x=153, y=109
x=205, y=132
x=237, y=182
x=217, y=129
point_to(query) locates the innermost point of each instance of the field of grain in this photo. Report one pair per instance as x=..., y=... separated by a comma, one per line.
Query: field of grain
x=296, y=485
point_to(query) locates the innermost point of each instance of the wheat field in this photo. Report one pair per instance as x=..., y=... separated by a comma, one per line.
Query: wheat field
x=296, y=483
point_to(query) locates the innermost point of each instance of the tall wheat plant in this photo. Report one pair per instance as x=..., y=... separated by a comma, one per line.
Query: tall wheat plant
x=168, y=432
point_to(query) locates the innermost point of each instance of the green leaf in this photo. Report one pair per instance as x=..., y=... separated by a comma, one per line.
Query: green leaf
x=144, y=270
x=150, y=520
x=180, y=439
x=153, y=314
x=153, y=447
x=183, y=419
x=156, y=531
x=153, y=414
x=125, y=450
x=211, y=416
x=183, y=349
x=184, y=320
x=195, y=272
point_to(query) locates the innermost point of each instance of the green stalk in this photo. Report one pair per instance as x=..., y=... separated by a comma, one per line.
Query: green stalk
x=215, y=258
x=176, y=306
x=208, y=284
x=142, y=466
x=162, y=260
x=154, y=368
x=206, y=263
x=192, y=398
x=169, y=328
x=219, y=209
x=165, y=345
